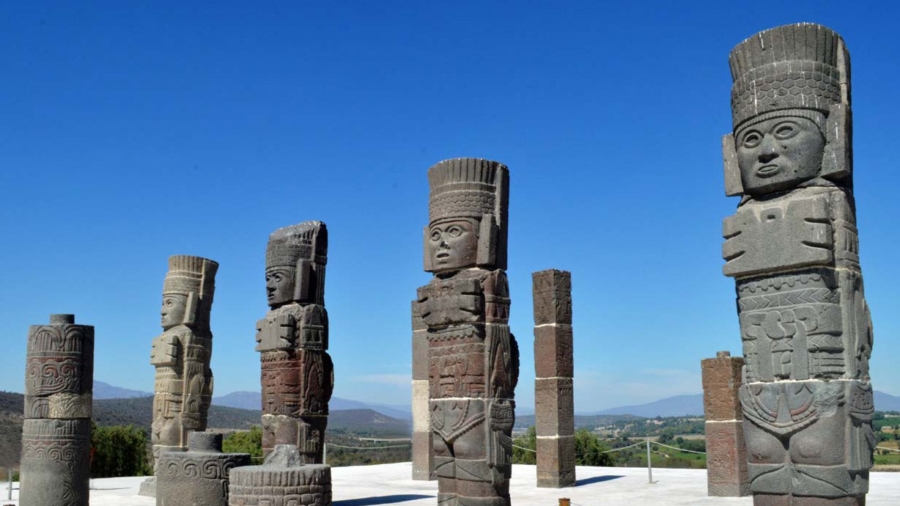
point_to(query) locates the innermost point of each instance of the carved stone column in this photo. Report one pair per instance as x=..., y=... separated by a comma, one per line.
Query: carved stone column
x=726, y=454
x=473, y=359
x=553, y=365
x=297, y=372
x=793, y=251
x=56, y=436
x=183, y=388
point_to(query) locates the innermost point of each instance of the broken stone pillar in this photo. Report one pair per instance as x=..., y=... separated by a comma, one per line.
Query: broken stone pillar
x=56, y=436
x=297, y=372
x=553, y=388
x=282, y=480
x=473, y=359
x=198, y=476
x=726, y=455
x=422, y=453
x=181, y=354
x=793, y=250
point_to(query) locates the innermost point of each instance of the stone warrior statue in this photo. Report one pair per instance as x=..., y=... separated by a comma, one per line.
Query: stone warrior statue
x=473, y=358
x=181, y=354
x=297, y=372
x=792, y=248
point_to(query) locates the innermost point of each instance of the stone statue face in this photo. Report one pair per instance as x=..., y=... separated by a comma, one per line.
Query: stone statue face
x=779, y=153
x=453, y=244
x=279, y=285
x=173, y=308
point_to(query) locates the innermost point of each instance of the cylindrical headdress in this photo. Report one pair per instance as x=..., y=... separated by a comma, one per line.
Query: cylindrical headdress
x=304, y=247
x=800, y=70
x=473, y=188
x=803, y=67
x=194, y=277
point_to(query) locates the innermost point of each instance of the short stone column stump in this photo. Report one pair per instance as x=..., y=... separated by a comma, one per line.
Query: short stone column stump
x=282, y=480
x=199, y=476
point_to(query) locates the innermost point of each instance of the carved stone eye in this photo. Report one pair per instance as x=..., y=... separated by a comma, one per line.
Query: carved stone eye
x=786, y=130
x=455, y=231
x=435, y=235
x=751, y=139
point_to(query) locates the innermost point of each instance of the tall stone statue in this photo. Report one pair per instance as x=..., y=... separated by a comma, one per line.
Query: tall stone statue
x=56, y=435
x=181, y=354
x=297, y=372
x=473, y=358
x=792, y=248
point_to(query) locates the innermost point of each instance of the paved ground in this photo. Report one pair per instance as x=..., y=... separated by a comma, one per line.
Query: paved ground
x=597, y=486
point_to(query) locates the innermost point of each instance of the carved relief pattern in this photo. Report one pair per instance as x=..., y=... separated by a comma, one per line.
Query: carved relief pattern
x=56, y=442
x=793, y=249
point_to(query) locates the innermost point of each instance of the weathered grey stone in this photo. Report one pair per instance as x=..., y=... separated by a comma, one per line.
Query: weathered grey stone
x=793, y=250
x=473, y=359
x=282, y=480
x=199, y=476
x=56, y=434
x=297, y=372
x=181, y=354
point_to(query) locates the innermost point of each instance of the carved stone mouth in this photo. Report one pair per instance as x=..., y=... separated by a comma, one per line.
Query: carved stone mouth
x=768, y=170
x=443, y=254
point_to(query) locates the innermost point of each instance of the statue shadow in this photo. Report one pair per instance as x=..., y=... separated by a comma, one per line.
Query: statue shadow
x=385, y=499
x=597, y=479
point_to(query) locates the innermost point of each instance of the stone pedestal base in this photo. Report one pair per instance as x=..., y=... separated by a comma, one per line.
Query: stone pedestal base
x=281, y=481
x=556, y=462
x=148, y=487
x=198, y=476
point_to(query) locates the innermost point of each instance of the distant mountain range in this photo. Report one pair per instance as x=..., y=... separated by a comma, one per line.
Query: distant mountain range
x=253, y=400
x=679, y=405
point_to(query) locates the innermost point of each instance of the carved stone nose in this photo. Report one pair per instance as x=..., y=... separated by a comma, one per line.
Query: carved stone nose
x=768, y=151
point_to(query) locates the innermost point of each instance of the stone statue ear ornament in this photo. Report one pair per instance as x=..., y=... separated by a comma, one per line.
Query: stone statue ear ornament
x=428, y=262
x=302, y=276
x=837, y=162
x=190, y=309
x=733, y=185
x=487, y=242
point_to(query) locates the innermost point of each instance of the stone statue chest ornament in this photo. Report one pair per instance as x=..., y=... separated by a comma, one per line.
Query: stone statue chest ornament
x=473, y=359
x=793, y=250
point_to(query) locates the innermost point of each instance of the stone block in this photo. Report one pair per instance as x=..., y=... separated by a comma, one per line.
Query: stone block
x=726, y=459
x=721, y=382
x=553, y=354
x=422, y=456
x=59, y=369
x=198, y=476
x=554, y=407
x=765, y=237
x=556, y=462
x=282, y=480
x=552, y=292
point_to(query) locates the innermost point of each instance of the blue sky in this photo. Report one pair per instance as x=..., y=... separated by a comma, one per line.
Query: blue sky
x=132, y=131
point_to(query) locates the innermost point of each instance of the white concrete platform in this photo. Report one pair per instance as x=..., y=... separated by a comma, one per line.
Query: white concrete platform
x=606, y=486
